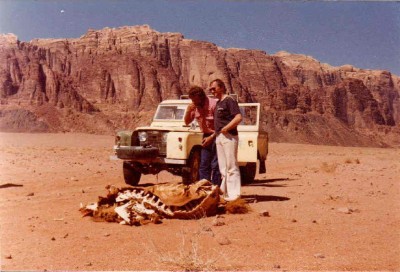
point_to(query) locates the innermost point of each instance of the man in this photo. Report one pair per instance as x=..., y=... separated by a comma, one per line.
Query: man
x=227, y=117
x=202, y=108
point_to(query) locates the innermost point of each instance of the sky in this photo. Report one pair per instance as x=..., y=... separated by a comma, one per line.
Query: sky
x=365, y=34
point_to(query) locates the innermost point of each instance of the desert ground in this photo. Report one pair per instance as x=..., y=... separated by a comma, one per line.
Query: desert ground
x=316, y=208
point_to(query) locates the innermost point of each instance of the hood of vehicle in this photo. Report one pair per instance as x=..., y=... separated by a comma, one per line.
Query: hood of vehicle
x=172, y=129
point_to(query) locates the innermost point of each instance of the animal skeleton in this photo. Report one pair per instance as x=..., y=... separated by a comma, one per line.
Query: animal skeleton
x=139, y=205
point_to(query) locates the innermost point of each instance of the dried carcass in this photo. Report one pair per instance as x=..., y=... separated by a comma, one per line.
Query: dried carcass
x=139, y=205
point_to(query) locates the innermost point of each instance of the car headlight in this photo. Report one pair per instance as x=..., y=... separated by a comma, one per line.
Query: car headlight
x=142, y=136
x=164, y=137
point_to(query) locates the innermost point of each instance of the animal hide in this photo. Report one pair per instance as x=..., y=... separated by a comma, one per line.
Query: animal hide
x=140, y=205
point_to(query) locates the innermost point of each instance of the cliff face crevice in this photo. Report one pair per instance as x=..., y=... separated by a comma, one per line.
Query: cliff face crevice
x=118, y=76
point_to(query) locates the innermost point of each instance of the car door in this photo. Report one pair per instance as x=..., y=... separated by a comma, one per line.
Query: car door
x=248, y=132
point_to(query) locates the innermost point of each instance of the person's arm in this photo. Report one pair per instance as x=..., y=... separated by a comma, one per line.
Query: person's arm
x=189, y=115
x=232, y=124
x=208, y=140
x=234, y=109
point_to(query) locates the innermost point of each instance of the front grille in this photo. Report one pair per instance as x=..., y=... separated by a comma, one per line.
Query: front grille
x=155, y=139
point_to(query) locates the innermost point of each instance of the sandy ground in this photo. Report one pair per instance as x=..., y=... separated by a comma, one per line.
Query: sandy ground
x=330, y=208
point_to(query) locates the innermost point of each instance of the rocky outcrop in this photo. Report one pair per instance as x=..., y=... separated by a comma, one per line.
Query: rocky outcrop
x=113, y=78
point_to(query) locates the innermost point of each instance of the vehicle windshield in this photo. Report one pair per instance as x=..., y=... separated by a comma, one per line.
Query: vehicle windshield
x=170, y=112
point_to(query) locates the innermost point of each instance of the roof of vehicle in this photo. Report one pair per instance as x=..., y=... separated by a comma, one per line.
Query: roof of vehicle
x=176, y=101
x=234, y=96
x=186, y=100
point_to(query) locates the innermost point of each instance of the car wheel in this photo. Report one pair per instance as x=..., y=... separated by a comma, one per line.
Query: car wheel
x=248, y=172
x=190, y=173
x=131, y=175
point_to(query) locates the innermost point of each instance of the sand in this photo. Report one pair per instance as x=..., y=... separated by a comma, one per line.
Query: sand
x=316, y=208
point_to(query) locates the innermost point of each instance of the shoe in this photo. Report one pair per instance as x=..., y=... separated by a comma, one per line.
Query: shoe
x=228, y=199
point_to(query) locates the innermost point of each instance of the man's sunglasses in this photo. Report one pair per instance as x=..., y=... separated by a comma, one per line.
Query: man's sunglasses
x=212, y=89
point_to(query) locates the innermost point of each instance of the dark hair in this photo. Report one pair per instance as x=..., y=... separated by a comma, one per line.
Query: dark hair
x=196, y=91
x=220, y=83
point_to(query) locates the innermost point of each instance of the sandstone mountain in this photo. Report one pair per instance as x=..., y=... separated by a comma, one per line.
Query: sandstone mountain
x=113, y=79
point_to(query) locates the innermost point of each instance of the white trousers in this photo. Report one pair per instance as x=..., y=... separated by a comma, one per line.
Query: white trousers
x=227, y=148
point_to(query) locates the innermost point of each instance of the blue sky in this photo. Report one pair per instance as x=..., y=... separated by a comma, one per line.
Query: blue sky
x=363, y=34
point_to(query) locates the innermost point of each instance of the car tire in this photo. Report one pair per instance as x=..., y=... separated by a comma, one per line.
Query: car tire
x=131, y=175
x=248, y=172
x=190, y=173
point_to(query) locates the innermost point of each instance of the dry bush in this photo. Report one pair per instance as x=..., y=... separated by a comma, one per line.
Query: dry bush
x=348, y=161
x=329, y=168
x=189, y=255
x=357, y=161
x=237, y=206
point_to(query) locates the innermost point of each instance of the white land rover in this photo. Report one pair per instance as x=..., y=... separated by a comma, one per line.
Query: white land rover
x=168, y=144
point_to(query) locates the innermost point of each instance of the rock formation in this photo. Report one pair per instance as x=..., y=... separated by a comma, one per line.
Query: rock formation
x=112, y=79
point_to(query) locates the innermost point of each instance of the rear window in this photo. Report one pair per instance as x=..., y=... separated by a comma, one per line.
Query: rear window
x=249, y=115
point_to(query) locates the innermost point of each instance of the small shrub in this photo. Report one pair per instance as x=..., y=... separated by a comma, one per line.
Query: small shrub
x=190, y=256
x=237, y=206
x=357, y=161
x=329, y=168
x=348, y=161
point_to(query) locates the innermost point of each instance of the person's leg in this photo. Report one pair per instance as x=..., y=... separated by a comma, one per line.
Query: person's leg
x=215, y=174
x=205, y=163
x=221, y=162
x=233, y=183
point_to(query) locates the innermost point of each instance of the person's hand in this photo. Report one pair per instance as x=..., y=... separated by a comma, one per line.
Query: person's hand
x=224, y=131
x=191, y=107
x=207, y=141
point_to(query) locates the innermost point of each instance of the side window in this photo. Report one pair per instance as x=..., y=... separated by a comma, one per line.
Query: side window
x=179, y=114
x=249, y=114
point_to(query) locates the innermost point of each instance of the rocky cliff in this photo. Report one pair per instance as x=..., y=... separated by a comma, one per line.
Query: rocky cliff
x=113, y=78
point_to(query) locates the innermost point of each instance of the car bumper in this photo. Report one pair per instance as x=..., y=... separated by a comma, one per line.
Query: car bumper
x=135, y=152
x=143, y=155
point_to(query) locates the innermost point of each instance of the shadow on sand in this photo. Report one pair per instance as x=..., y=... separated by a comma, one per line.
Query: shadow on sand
x=8, y=185
x=266, y=182
x=263, y=198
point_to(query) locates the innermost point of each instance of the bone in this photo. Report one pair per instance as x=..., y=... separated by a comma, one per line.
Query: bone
x=123, y=213
x=135, y=204
x=92, y=206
